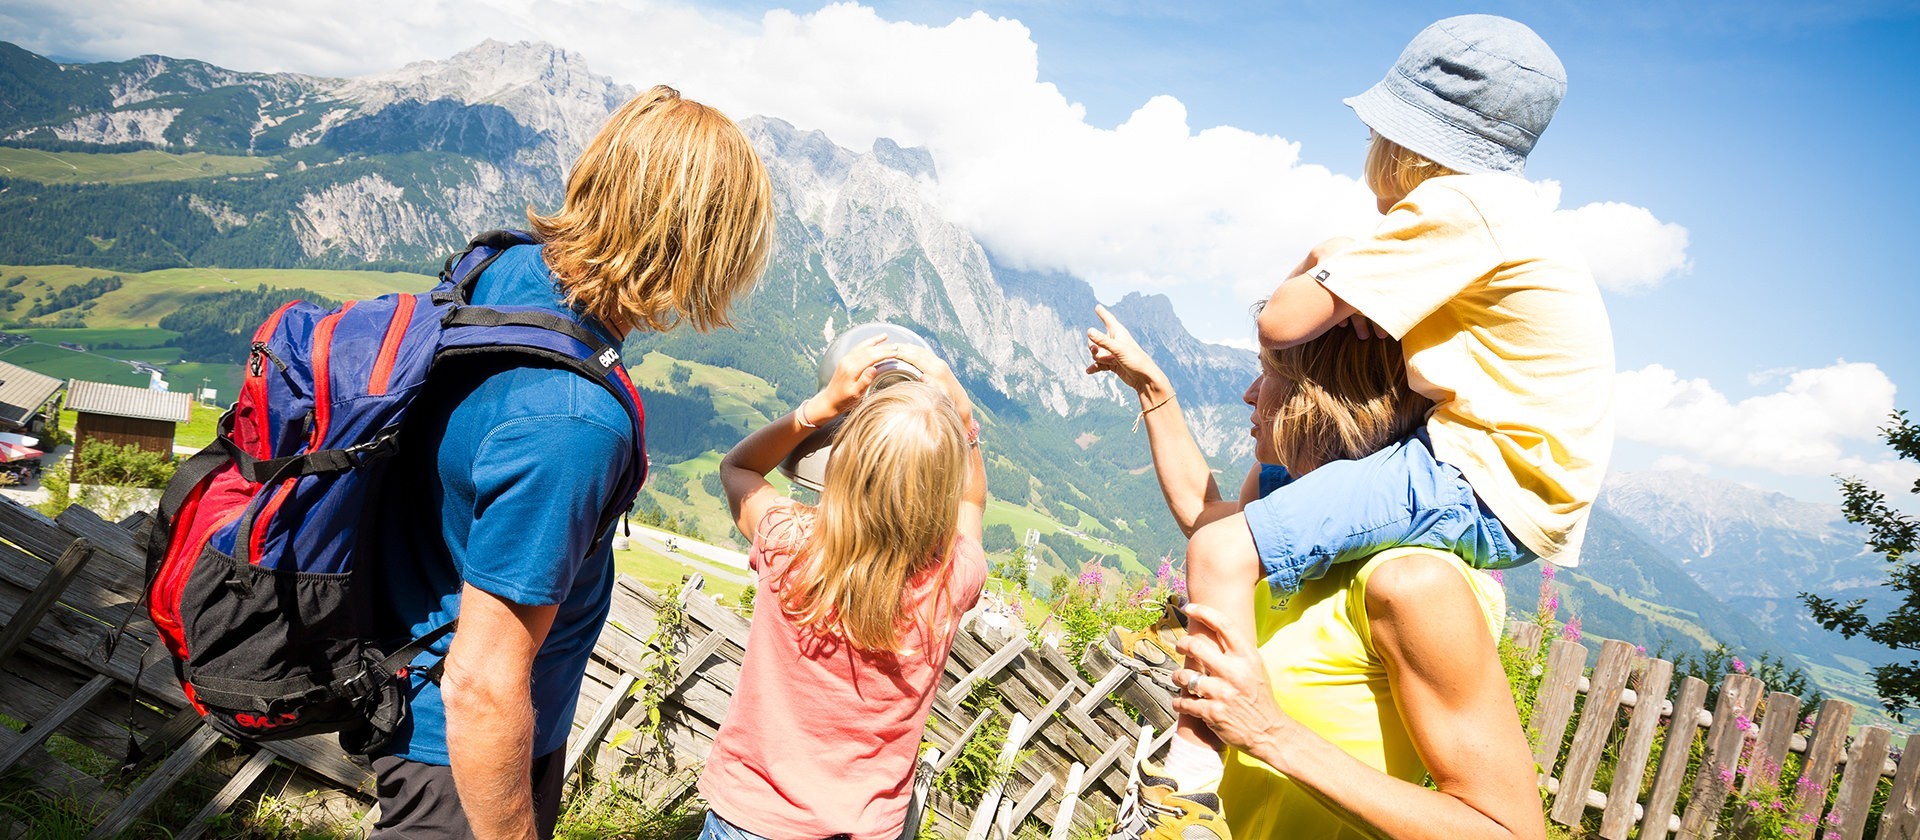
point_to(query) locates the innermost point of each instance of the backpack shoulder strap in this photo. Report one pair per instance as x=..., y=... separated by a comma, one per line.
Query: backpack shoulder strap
x=462, y=268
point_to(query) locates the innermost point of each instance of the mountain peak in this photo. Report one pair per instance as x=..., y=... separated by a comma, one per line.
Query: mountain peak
x=915, y=161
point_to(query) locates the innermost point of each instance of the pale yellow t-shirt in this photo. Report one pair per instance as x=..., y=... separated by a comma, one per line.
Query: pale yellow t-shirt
x=1318, y=646
x=1503, y=328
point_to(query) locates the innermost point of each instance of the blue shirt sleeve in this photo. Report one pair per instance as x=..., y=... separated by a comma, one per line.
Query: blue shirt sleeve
x=541, y=484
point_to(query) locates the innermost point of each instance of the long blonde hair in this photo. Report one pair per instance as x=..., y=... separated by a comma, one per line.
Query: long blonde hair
x=1342, y=397
x=887, y=513
x=668, y=216
x=1394, y=170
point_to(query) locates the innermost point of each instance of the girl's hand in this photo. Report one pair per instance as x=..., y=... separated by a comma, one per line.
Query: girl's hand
x=849, y=383
x=1229, y=691
x=1115, y=351
x=934, y=370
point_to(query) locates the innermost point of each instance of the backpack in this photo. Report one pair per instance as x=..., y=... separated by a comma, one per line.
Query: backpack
x=258, y=561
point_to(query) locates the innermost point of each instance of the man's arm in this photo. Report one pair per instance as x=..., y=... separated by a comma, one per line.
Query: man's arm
x=487, y=689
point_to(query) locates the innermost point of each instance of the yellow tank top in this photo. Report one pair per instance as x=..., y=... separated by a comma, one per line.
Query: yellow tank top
x=1325, y=673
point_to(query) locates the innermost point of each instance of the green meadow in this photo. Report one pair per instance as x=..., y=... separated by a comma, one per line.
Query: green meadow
x=148, y=296
x=123, y=167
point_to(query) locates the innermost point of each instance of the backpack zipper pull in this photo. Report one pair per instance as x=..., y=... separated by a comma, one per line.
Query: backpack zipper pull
x=259, y=349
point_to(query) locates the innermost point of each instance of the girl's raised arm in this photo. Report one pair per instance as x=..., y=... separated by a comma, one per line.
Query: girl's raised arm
x=743, y=472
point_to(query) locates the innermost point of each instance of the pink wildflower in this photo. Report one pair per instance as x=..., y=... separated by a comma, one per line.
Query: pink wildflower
x=1165, y=572
x=1553, y=603
x=1092, y=576
x=1571, y=632
x=1139, y=596
x=1742, y=722
x=1178, y=585
x=1738, y=666
x=1498, y=576
x=1640, y=649
x=1546, y=571
x=1726, y=775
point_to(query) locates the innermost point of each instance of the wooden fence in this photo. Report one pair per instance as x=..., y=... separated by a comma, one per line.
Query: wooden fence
x=65, y=584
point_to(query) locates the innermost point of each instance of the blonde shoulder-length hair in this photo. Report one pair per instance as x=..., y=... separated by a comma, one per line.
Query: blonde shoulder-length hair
x=668, y=217
x=1393, y=170
x=887, y=514
x=1341, y=397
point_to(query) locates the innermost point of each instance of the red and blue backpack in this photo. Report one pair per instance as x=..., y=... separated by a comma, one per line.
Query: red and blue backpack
x=258, y=563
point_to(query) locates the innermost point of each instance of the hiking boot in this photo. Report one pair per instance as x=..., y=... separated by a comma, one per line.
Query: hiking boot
x=1151, y=646
x=1153, y=810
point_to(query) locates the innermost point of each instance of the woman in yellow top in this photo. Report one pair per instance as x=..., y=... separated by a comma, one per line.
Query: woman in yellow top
x=1368, y=679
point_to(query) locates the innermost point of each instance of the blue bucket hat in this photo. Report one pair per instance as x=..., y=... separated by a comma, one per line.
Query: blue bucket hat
x=1471, y=92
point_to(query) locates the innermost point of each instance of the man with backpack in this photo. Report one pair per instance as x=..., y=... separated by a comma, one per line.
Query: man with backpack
x=498, y=507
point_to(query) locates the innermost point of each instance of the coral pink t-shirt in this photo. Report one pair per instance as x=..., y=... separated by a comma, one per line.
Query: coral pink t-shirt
x=821, y=737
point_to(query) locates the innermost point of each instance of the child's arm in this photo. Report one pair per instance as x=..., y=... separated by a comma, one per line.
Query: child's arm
x=1185, y=479
x=1302, y=309
x=743, y=472
x=973, y=493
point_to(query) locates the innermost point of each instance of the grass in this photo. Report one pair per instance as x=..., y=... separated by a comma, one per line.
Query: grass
x=123, y=167
x=658, y=571
x=61, y=363
x=740, y=399
x=148, y=296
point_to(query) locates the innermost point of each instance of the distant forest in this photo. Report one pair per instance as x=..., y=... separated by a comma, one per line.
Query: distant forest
x=217, y=327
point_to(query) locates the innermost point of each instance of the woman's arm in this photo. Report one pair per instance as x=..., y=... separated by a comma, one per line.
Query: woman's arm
x=743, y=472
x=1185, y=479
x=1448, y=687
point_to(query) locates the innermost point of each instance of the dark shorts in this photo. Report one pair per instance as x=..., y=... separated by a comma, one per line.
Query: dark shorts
x=418, y=801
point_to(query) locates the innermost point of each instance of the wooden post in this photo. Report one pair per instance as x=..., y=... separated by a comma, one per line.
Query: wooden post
x=1596, y=726
x=51, y=722
x=1823, y=752
x=990, y=801
x=44, y=597
x=228, y=794
x=1739, y=695
x=1900, y=820
x=163, y=778
x=1681, y=726
x=994, y=663
x=597, y=726
x=1857, y=783
x=1558, y=684
x=1635, y=749
x=1069, y=800
x=923, y=774
x=1526, y=635
x=1770, y=746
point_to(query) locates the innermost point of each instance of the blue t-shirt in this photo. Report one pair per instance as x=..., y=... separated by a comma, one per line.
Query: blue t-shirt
x=504, y=475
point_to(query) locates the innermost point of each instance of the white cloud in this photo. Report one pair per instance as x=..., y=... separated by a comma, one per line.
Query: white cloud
x=1218, y=214
x=1824, y=421
x=1628, y=249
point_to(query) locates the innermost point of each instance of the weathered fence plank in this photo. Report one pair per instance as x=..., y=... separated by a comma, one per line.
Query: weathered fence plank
x=1596, y=727
x=1559, y=682
x=990, y=800
x=157, y=784
x=229, y=793
x=1739, y=696
x=1823, y=752
x=1635, y=748
x=1681, y=726
x=1770, y=745
x=1858, y=781
x=43, y=728
x=43, y=597
x=1900, y=819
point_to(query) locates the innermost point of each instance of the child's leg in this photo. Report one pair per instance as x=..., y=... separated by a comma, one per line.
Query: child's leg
x=1349, y=510
x=1222, y=568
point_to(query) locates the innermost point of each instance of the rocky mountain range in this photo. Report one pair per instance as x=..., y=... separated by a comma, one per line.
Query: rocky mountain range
x=395, y=169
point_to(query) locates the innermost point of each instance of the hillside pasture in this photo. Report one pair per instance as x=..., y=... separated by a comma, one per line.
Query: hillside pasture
x=740, y=400
x=61, y=363
x=148, y=296
x=123, y=167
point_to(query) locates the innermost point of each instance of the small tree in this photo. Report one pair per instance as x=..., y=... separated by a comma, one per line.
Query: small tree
x=1895, y=535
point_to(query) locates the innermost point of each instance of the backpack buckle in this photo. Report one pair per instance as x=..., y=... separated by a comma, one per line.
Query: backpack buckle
x=373, y=450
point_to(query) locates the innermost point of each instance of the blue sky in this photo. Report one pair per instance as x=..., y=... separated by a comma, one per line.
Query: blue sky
x=1771, y=138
